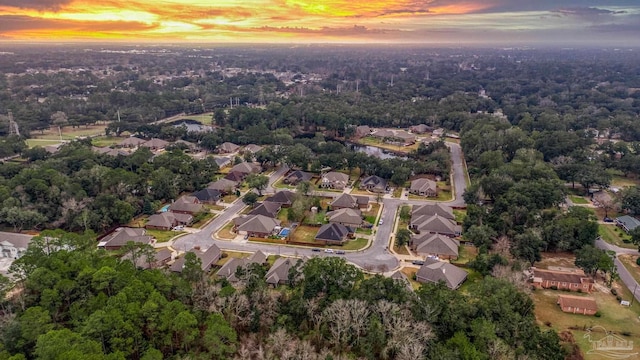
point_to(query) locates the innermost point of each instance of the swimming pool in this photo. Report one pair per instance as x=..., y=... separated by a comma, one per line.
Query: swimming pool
x=165, y=208
x=284, y=232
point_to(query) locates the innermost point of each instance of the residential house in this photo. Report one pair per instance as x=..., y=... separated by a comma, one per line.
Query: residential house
x=188, y=146
x=235, y=176
x=284, y=197
x=279, y=272
x=256, y=225
x=131, y=142
x=432, y=209
x=207, y=258
x=438, y=245
x=253, y=148
x=297, y=176
x=383, y=134
x=424, y=187
x=435, y=224
x=627, y=223
x=121, y=236
x=225, y=186
x=13, y=245
x=578, y=304
x=229, y=270
x=334, y=180
x=109, y=151
x=227, y=148
x=438, y=132
x=400, y=276
x=155, y=144
x=399, y=136
x=246, y=168
x=348, y=217
x=266, y=208
x=167, y=220
x=374, y=183
x=420, y=129
x=405, y=137
x=573, y=280
x=222, y=161
x=208, y=195
x=346, y=201
x=434, y=271
x=160, y=259
x=362, y=131
x=333, y=233
x=186, y=205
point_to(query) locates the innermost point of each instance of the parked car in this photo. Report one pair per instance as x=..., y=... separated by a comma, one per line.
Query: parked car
x=608, y=220
x=417, y=262
x=340, y=252
x=178, y=228
x=381, y=222
x=315, y=250
x=328, y=251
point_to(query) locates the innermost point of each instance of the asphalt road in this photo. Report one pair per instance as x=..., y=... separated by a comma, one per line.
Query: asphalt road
x=376, y=258
x=625, y=275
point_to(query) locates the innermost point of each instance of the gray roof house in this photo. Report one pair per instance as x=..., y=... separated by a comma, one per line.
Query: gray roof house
x=208, y=195
x=269, y=209
x=433, y=209
x=225, y=186
x=435, y=245
x=155, y=144
x=246, y=168
x=121, y=236
x=278, y=274
x=13, y=245
x=253, y=148
x=230, y=268
x=131, y=142
x=207, y=258
x=159, y=259
x=334, y=180
x=167, y=220
x=435, y=224
x=374, y=183
x=627, y=222
x=400, y=276
x=333, y=233
x=346, y=201
x=258, y=225
x=363, y=130
x=222, y=161
x=227, y=148
x=424, y=187
x=346, y=217
x=297, y=176
x=435, y=271
x=420, y=129
x=283, y=197
x=186, y=205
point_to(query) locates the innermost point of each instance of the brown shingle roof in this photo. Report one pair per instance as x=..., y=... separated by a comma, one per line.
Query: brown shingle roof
x=576, y=277
x=579, y=302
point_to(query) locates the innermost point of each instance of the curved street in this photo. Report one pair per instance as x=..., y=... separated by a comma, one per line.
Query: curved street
x=375, y=258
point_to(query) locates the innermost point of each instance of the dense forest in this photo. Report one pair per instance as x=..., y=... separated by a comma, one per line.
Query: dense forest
x=82, y=303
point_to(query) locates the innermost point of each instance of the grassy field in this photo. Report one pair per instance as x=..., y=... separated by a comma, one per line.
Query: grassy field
x=578, y=200
x=163, y=235
x=305, y=234
x=621, y=181
x=466, y=253
x=225, y=232
x=31, y=143
x=205, y=118
x=629, y=262
x=103, y=141
x=615, y=318
x=460, y=215
x=70, y=133
x=615, y=236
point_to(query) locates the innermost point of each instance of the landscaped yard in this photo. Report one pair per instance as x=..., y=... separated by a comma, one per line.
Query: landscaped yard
x=356, y=244
x=614, y=317
x=319, y=218
x=579, y=200
x=305, y=234
x=615, y=236
x=629, y=262
x=402, y=250
x=205, y=219
x=225, y=232
x=163, y=235
x=466, y=253
x=364, y=231
x=229, y=198
x=372, y=214
x=397, y=192
x=230, y=255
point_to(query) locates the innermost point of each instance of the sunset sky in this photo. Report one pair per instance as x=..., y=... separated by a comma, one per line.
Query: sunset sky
x=565, y=22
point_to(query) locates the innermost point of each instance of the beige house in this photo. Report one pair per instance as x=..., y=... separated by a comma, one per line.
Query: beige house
x=438, y=245
x=424, y=187
x=434, y=271
x=334, y=180
x=346, y=217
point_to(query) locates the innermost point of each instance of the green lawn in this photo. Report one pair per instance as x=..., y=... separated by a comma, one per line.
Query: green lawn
x=402, y=250
x=225, y=232
x=205, y=118
x=103, y=141
x=466, y=253
x=579, y=200
x=397, y=192
x=364, y=231
x=460, y=215
x=629, y=262
x=31, y=143
x=163, y=235
x=472, y=277
x=615, y=236
x=208, y=217
x=356, y=244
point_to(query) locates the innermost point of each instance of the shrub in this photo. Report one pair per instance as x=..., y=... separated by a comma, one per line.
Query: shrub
x=638, y=261
x=554, y=288
x=597, y=314
x=619, y=298
x=580, y=290
x=625, y=333
x=614, y=291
